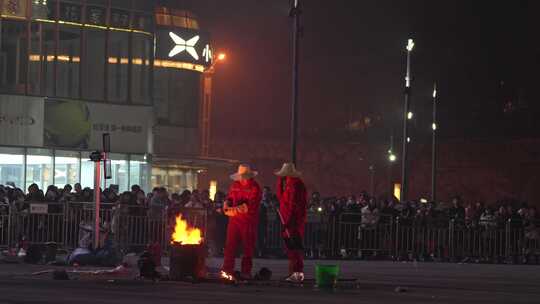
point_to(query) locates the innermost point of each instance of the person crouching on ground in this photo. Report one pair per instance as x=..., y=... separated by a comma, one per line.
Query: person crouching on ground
x=242, y=208
x=292, y=196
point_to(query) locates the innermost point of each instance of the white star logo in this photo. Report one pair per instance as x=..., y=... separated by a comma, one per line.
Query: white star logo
x=183, y=45
x=207, y=53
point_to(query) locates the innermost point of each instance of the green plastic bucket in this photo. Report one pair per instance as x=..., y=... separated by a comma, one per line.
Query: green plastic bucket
x=326, y=275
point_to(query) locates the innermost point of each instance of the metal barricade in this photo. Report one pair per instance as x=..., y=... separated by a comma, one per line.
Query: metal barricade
x=40, y=223
x=487, y=244
x=77, y=213
x=5, y=226
x=418, y=241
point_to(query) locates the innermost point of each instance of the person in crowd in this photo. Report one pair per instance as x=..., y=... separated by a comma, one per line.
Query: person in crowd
x=87, y=195
x=195, y=200
x=52, y=194
x=158, y=203
x=264, y=208
x=292, y=196
x=370, y=214
x=206, y=200
x=488, y=219
x=34, y=194
x=315, y=202
x=77, y=191
x=457, y=212
x=110, y=196
x=242, y=208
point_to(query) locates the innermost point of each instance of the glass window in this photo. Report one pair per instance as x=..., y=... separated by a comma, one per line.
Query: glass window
x=119, y=171
x=12, y=167
x=14, y=8
x=96, y=15
x=159, y=176
x=183, y=99
x=68, y=61
x=161, y=94
x=47, y=60
x=138, y=171
x=40, y=9
x=70, y=12
x=140, y=79
x=142, y=22
x=35, y=59
x=87, y=170
x=94, y=64
x=118, y=66
x=120, y=18
x=66, y=168
x=13, y=61
x=39, y=168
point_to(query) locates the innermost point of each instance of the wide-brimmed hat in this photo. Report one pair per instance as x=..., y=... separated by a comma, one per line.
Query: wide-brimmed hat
x=288, y=169
x=244, y=172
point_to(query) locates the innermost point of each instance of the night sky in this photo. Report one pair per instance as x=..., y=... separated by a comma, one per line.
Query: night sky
x=485, y=57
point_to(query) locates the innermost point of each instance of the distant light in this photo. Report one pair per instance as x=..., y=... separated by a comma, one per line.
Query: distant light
x=410, y=115
x=408, y=139
x=434, y=93
x=423, y=200
x=319, y=209
x=222, y=56
x=410, y=45
x=392, y=157
x=295, y=3
x=390, y=151
x=434, y=126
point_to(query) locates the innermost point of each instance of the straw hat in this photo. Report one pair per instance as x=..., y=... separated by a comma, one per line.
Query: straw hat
x=288, y=169
x=244, y=172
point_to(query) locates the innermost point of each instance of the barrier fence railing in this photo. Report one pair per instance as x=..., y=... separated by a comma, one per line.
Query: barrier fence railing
x=130, y=227
x=346, y=235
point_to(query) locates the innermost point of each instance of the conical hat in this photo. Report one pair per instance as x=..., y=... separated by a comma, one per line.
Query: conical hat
x=288, y=169
x=244, y=172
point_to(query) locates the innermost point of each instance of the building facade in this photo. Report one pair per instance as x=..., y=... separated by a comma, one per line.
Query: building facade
x=71, y=71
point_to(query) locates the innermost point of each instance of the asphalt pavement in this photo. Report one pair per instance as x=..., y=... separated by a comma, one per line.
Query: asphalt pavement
x=362, y=282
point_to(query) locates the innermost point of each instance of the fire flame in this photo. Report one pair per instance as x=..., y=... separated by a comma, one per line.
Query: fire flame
x=226, y=276
x=185, y=235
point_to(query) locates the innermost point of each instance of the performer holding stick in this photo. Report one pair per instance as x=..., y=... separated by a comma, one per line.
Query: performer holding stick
x=292, y=196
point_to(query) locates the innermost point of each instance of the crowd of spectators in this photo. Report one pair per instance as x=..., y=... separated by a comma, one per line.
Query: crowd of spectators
x=372, y=210
x=426, y=213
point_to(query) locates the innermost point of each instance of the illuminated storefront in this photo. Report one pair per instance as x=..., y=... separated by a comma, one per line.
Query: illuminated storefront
x=73, y=70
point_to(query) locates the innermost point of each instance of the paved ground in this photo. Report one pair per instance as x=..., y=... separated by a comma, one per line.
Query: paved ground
x=376, y=283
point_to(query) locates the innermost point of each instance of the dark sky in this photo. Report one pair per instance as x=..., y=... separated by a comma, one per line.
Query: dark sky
x=485, y=56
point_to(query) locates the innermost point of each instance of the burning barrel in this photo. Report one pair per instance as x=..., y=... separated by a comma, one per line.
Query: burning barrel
x=188, y=252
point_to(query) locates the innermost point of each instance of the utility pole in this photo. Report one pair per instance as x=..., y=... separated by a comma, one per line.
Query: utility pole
x=295, y=13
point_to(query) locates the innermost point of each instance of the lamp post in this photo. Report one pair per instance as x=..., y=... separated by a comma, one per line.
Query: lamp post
x=434, y=147
x=391, y=160
x=207, y=104
x=295, y=13
x=406, y=116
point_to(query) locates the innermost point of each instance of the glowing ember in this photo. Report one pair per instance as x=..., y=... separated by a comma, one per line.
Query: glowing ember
x=226, y=276
x=185, y=235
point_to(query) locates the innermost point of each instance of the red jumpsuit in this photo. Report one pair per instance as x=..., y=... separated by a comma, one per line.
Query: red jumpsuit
x=242, y=227
x=292, y=196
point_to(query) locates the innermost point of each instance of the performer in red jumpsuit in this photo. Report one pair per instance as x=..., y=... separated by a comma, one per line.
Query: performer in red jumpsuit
x=242, y=208
x=292, y=196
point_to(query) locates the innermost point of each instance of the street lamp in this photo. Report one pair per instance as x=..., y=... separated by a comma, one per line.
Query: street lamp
x=407, y=115
x=207, y=103
x=434, y=147
x=221, y=57
x=295, y=13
